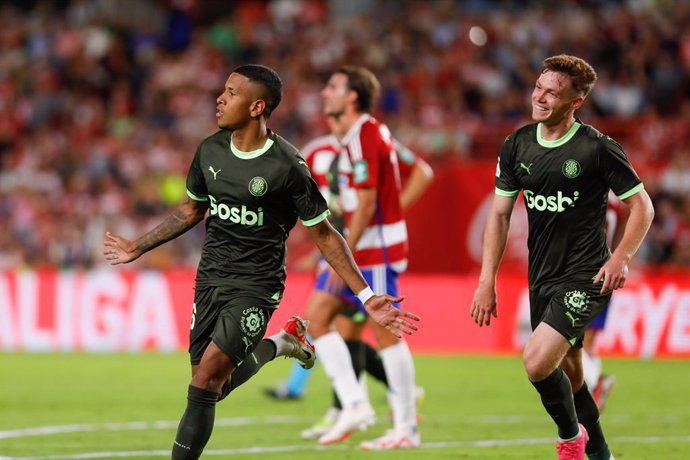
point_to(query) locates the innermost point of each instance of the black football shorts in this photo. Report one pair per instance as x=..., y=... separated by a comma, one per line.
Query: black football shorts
x=568, y=308
x=235, y=325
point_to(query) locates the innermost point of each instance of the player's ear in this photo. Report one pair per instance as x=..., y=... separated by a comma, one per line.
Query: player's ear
x=257, y=108
x=577, y=102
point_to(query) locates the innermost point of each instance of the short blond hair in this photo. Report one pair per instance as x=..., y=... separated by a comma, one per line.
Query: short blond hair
x=580, y=72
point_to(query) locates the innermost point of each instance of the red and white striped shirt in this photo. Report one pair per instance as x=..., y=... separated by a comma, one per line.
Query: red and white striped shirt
x=371, y=161
x=319, y=153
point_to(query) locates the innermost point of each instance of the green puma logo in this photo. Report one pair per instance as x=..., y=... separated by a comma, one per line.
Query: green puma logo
x=214, y=172
x=526, y=168
x=247, y=344
x=571, y=317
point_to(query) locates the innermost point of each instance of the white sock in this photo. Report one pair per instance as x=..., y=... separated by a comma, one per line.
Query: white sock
x=282, y=346
x=335, y=357
x=399, y=366
x=365, y=386
x=591, y=366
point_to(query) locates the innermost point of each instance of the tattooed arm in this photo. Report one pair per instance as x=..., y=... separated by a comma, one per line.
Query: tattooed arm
x=333, y=247
x=119, y=250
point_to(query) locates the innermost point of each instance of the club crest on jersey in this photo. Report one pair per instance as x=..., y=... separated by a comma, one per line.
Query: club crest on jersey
x=576, y=301
x=571, y=169
x=258, y=186
x=252, y=321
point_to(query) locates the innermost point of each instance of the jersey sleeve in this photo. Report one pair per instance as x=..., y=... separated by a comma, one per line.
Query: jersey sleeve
x=304, y=193
x=506, y=183
x=406, y=158
x=196, y=184
x=617, y=171
x=366, y=157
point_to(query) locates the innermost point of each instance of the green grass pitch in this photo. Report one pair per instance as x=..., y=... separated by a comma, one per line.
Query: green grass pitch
x=102, y=406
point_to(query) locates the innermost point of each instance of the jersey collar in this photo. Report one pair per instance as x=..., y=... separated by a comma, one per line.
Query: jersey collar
x=249, y=155
x=355, y=128
x=558, y=142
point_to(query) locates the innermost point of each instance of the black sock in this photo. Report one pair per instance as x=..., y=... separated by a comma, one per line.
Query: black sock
x=374, y=364
x=588, y=415
x=264, y=352
x=557, y=398
x=196, y=425
x=356, y=349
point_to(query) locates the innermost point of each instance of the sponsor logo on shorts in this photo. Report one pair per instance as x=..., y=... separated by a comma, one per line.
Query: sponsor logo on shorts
x=253, y=321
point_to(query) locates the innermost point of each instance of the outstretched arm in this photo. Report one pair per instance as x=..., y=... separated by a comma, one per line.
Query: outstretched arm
x=495, y=237
x=118, y=250
x=335, y=250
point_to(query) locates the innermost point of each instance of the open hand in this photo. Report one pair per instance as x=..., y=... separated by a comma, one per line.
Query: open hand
x=118, y=250
x=381, y=310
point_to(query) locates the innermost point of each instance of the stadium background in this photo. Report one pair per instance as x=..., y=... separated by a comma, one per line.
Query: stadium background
x=102, y=104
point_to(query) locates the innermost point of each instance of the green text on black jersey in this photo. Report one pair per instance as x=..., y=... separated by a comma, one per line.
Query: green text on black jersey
x=565, y=185
x=254, y=200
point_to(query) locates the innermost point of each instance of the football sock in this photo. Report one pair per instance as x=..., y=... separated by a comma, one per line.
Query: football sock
x=264, y=352
x=591, y=366
x=356, y=349
x=196, y=425
x=336, y=361
x=557, y=398
x=588, y=415
x=374, y=364
x=399, y=366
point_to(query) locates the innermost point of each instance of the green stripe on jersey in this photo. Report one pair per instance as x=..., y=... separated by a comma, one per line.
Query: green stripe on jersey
x=635, y=190
x=317, y=219
x=506, y=193
x=196, y=198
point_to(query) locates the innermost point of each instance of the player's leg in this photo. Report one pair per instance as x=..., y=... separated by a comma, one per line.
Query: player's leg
x=400, y=371
x=349, y=331
x=349, y=324
x=542, y=356
x=373, y=362
x=599, y=383
x=322, y=308
x=544, y=351
x=585, y=407
x=290, y=342
x=211, y=368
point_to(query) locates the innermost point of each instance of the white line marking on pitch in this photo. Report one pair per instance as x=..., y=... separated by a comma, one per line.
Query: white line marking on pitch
x=274, y=420
x=297, y=448
x=505, y=419
x=127, y=426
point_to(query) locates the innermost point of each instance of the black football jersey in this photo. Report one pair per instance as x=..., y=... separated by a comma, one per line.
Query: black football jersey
x=565, y=184
x=255, y=198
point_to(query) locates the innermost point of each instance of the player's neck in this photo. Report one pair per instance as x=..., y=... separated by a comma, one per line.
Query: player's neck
x=348, y=120
x=249, y=138
x=557, y=131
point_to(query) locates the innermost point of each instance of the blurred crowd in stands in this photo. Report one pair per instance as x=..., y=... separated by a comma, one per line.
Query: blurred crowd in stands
x=102, y=103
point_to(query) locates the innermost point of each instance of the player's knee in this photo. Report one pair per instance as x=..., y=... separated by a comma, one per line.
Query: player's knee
x=534, y=366
x=210, y=379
